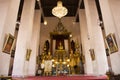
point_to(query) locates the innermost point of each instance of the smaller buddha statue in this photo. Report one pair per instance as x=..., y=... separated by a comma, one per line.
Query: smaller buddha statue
x=48, y=56
x=60, y=47
x=77, y=57
x=72, y=60
x=42, y=64
x=44, y=49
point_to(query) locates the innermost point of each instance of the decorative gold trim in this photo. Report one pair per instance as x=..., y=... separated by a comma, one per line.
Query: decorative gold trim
x=28, y=53
x=92, y=53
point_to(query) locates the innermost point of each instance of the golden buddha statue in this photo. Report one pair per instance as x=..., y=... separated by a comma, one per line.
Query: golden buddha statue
x=60, y=47
x=48, y=56
x=77, y=57
x=42, y=64
x=72, y=61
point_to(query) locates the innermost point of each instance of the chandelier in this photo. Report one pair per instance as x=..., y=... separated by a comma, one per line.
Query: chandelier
x=59, y=11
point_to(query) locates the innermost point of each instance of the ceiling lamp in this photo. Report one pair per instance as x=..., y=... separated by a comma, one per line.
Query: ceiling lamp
x=59, y=11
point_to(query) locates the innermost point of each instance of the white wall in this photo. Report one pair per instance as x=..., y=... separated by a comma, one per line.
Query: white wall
x=20, y=67
x=110, y=13
x=8, y=16
x=34, y=43
x=115, y=10
x=96, y=38
x=114, y=5
x=85, y=42
x=3, y=14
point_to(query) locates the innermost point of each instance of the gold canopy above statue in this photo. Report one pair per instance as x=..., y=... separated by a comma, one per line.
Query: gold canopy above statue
x=60, y=31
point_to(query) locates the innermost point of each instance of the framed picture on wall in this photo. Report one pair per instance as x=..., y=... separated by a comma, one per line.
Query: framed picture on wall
x=28, y=53
x=92, y=54
x=111, y=43
x=8, y=43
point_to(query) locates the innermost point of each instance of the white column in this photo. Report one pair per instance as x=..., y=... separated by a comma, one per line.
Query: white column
x=114, y=5
x=8, y=16
x=85, y=42
x=3, y=14
x=35, y=43
x=111, y=25
x=20, y=67
x=96, y=37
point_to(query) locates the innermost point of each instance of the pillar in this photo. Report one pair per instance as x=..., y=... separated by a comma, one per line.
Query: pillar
x=114, y=4
x=20, y=67
x=96, y=38
x=8, y=17
x=35, y=43
x=110, y=16
x=85, y=42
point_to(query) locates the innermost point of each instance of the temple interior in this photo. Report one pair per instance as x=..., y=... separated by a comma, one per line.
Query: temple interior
x=59, y=38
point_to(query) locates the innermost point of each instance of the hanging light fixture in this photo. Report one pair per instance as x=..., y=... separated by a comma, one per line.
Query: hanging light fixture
x=59, y=11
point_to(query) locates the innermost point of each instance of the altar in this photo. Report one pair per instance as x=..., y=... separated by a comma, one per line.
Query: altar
x=61, y=55
x=61, y=63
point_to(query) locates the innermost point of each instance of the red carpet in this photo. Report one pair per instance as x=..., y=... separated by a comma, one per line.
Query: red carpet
x=80, y=77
